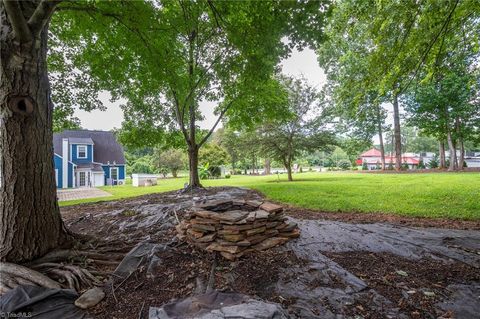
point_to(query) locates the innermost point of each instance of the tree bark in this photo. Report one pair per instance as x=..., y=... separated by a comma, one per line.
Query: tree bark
x=194, y=181
x=441, y=150
x=30, y=223
x=453, y=152
x=288, y=166
x=267, y=167
x=380, y=137
x=461, y=160
x=397, y=133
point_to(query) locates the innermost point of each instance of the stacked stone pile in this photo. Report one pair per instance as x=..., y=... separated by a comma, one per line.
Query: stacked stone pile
x=234, y=228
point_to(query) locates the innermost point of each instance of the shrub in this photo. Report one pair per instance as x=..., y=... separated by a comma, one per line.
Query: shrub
x=421, y=165
x=227, y=175
x=433, y=163
x=390, y=166
x=344, y=164
x=365, y=166
x=404, y=165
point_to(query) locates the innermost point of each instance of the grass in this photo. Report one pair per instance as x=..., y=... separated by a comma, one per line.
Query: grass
x=433, y=195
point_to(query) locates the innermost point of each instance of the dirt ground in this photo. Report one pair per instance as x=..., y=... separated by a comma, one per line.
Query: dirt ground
x=412, y=287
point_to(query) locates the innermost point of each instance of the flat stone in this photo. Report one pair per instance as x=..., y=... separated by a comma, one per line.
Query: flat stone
x=206, y=221
x=254, y=203
x=90, y=298
x=291, y=234
x=234, y=238
x=238, y=227
x=258, y=223
x=228, y=231
x=194, y=233
x=271, y=207
x=207, y=238
x=256, y=231
x=215, y=203
x=203, y=228
x=270, y=242
x=261, y=214
x=272, y=224
x=251, y=217
x=271, y=232
x=290, y=226
x=256, y=238
x=229, y=249
x=233, y=216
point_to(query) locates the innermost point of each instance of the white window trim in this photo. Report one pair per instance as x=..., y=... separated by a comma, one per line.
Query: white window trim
x=118, y=173
x=78, y=151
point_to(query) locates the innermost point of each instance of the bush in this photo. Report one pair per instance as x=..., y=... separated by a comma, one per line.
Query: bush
x=390, y=166
x=404, y=166
x=421, y=165
x=365, y=166
x=344, y=164
x=227, y=176
x=433, y=162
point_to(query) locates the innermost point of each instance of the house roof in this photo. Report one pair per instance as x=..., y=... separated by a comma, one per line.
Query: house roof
x=106, y=148
x=80, y=140
x=372, y=153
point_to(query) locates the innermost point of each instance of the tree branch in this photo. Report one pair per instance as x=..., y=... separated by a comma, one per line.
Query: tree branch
x=216, y=123
x=17, y=20
x=41, y=15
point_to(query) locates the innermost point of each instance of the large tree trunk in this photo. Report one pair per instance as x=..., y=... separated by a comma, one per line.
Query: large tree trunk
x=193, y=165
x=397, y=133
x=288, y=165
x=380, y=137
x=267, y=167
x=461, y=160
x=441, y=150
x=30, y=221
x=453, y=152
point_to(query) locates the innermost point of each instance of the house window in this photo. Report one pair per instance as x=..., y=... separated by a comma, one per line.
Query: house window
x=114, y=173
x=81, y=151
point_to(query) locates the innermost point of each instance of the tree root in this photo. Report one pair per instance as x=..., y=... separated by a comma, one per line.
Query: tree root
x=69, y=276
x=12, y=275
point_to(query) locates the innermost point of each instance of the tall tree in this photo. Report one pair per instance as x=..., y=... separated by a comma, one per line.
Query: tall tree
x=300, y=130
x=382, y=46
x=221, y=52
x=30, y=223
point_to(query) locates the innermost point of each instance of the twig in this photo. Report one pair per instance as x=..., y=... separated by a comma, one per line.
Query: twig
x=113, y=293
x=141, y=310
x=176, y=216
x=211, y=279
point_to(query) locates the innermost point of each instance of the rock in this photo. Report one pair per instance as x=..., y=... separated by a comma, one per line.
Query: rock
x=238, y=227
x=206, y=221
x=293, y=234
x=290, y=226
x=272, y=224
x=271, y=232
x=270, y=207
x=215, y=204
x=270, y=242
x=234, y=238
x=255, y=231
x=250, y=217
x=228, y=249
x=207, y=238
x=254, y=203
x=194, y=233
x=90, y=298
x=261, y=214
x=228, y=231
x=256, y=239
x=203, y=228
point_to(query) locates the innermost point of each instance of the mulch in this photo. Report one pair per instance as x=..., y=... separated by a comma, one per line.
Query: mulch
x=179, y=273
x=414, y=285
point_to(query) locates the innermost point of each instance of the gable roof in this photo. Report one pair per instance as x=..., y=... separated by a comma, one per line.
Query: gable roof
x=371, y=153
x=106, y=147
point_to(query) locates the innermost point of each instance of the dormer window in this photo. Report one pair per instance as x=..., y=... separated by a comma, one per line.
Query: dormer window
x=81, y=151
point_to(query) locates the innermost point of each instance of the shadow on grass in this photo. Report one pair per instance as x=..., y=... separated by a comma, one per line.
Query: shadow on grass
x=319, y=180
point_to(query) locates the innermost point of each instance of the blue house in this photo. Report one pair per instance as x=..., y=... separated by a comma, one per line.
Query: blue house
x=86, y=158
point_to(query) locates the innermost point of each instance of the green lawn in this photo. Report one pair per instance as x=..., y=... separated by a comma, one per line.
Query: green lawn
x=450, y=195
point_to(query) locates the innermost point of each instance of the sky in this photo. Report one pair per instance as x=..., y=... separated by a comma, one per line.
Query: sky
x=299, y=63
